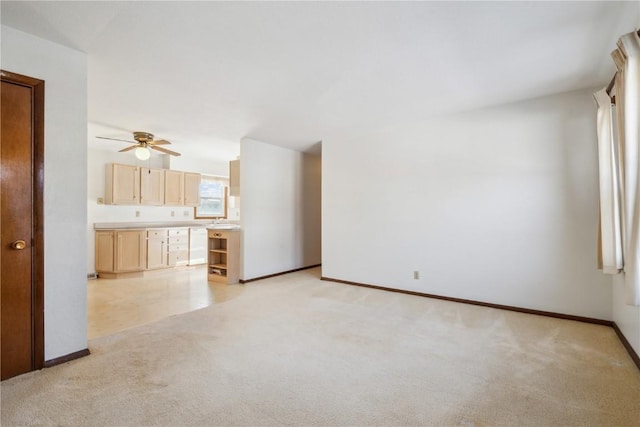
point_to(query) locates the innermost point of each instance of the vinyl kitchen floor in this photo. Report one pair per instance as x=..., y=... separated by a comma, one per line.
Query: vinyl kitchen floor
x=118, y=304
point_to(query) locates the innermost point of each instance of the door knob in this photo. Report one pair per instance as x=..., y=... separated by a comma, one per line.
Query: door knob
x=19, y=245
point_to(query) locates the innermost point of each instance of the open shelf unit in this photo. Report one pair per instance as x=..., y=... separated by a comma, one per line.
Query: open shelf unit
x=224, y=253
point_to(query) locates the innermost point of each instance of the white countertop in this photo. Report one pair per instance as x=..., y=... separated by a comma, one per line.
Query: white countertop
x=163, y=224
x=227, y=227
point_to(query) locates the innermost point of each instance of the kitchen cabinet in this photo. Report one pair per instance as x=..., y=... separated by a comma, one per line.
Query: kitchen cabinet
x=178, y=249
x=173, y=188
x=132, y=185
x=192, y=188
x=156, y=248
x=224, y=256
x=152, y=186
x=122, y=184
x=105, y=253
x=120, y=251
x=182, y=188
x=130, y=250
x=234, y=178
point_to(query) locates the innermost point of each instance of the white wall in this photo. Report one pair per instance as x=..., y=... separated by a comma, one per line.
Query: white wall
x=203, y=165
x=627, y=317
x=497, y=205
x=98, y=213
x=280, y=192
x=65, y=214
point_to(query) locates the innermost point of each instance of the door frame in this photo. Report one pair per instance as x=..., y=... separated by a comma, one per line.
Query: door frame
x=37, y=214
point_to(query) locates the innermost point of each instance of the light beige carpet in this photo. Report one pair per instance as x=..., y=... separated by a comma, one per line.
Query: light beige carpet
x=293, y=350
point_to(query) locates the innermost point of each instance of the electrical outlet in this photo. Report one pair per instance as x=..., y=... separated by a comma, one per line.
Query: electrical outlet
x=185, y=213
x=173, y=213
x=416, y=275
x=137, y=214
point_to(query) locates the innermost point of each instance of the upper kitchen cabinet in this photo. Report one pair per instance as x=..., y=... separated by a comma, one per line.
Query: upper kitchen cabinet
x=181, y=188
x=192, y=188
x=132, y=185
x=152, y=186
x=122, y=185
x=234, y=178
x=173, y=187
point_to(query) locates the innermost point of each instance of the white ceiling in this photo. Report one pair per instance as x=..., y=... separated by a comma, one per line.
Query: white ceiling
x=206, y=74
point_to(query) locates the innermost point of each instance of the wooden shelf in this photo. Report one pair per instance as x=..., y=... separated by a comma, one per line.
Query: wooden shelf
x=221, y=266
x=224, y=256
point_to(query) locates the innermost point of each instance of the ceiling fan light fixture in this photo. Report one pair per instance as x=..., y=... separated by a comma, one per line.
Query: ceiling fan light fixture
x=143, y=143
x=142, y=153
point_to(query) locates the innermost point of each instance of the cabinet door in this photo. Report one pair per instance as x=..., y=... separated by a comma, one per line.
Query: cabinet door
x=130, y=250
x=151, y=186
x=104, y=252
x=156, y=248
x=173, y=187
x=122, y=185
x=192, y=189
x=234, y=178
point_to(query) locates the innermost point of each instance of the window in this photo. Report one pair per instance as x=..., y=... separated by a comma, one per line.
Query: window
x=213, y=197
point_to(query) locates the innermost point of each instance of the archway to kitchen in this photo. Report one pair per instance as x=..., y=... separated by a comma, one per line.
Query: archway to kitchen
x=280, y=231
x=164, y=246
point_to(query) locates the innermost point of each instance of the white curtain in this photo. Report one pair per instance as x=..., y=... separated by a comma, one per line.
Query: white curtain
x=627, y=159
x=610, y=249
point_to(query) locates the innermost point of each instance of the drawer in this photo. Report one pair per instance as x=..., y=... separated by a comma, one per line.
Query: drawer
x=178, y=258
x=179, y=248
x=156, y=233
x=220, y=234
x=178, y=240
x=178, y=232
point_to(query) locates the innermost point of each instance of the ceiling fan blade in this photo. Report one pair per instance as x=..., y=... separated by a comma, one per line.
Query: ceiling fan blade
x=164, y=150
x=159, y=142
x=116, y=139
x=129, y=148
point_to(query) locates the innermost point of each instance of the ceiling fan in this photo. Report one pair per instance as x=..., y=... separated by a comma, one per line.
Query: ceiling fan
x=144, y=141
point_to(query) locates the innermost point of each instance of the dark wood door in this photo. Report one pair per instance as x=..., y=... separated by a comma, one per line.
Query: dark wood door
x=21, y=338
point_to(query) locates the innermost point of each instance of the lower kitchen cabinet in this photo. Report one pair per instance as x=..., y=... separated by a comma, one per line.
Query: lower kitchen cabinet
x=178, y=247
x=130, y=250
x=224, y=256
x=105, y=252
x=120, y=251
x=156, y=248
